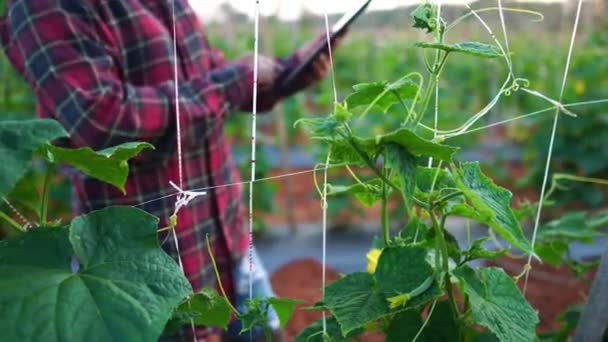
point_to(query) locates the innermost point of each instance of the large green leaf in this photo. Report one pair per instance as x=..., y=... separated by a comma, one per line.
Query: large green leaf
x=284, y=308
x=206, y=308
x=401, y=270
x=18, y=140
x=433, y=178
x=367, y=193
x=358, y=298
x=497, y=304
x=109, y=165
x=383, y=93
x=323, y=128
x=123, y=287
x=344, y=151
x=354, y=302
x=404, y=327
x=491, y=203
x=469, y=48
x=415, y=145
x=570, y=227
x=440, y=327
x=404, y=164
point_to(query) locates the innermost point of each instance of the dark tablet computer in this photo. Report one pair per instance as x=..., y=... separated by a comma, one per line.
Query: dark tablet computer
x=285, y=82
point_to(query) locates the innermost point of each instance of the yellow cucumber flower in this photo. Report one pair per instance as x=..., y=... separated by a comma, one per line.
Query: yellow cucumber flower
x=372, y=259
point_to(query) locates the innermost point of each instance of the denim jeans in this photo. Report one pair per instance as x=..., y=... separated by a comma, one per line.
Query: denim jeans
x=261, y=287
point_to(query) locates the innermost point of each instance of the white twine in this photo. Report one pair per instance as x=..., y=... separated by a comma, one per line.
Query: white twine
x=253, y=143
x=183, y=198
x=551, y=143
x=436, y=121
x=327, y=161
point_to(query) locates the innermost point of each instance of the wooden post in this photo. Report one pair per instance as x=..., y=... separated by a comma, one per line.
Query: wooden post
x=593, y=322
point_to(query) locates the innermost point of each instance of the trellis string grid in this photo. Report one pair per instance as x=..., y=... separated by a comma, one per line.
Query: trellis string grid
x=184, y=197
x=558, y=106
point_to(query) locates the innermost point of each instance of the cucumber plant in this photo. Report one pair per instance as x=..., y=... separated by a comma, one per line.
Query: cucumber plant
x=419, y=285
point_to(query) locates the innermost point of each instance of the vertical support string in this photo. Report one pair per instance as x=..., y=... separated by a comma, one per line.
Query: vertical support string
x=436, y=120
x=551, y=143
x=177, y=109
x=180, y=197
x=327, y=161
x=253, y=140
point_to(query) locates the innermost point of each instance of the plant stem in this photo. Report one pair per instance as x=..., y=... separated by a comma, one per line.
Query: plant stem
x=12, y=223
x=445, y=261
x=446, y=198
x=45, y=194
x=385, y=226
x=217, y=275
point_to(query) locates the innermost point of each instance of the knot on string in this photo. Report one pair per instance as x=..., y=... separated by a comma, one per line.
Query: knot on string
x=558, y=105
x=184, y=198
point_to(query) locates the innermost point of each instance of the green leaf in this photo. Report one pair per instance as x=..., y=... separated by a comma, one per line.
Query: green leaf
x=284, y=308
x=415, y=145
x=477, y=251
x=383, y=93
x=404, y=326
x=360, y=298
x=353, y=301
x=497, y=304
x=469, y=48
x=124, y=288
x=25, y=193
x=441, y=326
x=571, y=227
x=551, y=252
x=343, y=151
x=325, y=128
x=314, y=332
x=401, y=161
x=367, y=193
x=425, y=17
x=426, y=176
x=491, y=203
x=401, y=270
x=254, y=315
x=206, y=308
x=109, y=165
x=18, y=140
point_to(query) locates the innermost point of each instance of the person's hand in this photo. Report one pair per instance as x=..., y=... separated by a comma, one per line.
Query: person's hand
x=268, y=70
x=322, y=65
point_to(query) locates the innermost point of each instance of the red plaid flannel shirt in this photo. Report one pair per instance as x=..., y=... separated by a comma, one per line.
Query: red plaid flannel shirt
x=104, y=69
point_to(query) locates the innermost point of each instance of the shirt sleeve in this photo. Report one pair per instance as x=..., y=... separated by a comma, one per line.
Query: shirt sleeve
x=76, y=79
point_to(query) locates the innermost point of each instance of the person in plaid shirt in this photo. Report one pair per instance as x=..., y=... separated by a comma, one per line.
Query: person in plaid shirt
x=105, y=71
